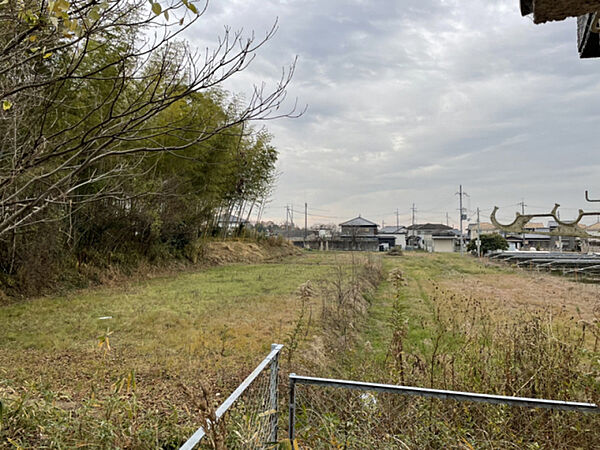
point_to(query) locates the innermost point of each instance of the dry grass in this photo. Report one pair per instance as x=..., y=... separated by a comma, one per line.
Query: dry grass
x=68, y=378
x=448, y=322
x=515, y=293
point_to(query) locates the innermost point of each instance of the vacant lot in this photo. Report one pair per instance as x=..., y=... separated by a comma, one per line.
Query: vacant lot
x=125, y=366
x=507, y=293
x=448, y=322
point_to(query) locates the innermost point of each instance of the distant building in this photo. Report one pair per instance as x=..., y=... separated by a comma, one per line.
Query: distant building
x=535, y=226
x=393, y=236
x=359, y=234
x=532, y=239
x=445, y=241
x=594, y=242
x=359, y=227
x=433, y=237
x=485, y=227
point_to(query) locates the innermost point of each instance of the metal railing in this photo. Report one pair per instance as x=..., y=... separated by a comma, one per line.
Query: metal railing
x=424, y=392
x=272, y=362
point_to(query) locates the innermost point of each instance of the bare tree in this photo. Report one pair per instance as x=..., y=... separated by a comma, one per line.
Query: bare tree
x=83, y=85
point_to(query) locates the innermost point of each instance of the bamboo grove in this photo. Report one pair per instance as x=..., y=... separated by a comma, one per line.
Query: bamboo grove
x=117, y=140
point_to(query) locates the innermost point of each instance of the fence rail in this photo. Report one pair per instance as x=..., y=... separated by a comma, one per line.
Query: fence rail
x=271, y=361
x=432, y=393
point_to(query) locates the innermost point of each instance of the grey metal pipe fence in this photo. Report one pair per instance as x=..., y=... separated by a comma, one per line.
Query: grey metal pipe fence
x=424, y=392
x=270, y=405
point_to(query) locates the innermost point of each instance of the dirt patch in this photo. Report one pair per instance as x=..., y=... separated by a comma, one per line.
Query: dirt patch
x=520, y=292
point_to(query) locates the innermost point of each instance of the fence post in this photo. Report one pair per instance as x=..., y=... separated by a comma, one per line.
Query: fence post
x=273, y=393
x=292, y=426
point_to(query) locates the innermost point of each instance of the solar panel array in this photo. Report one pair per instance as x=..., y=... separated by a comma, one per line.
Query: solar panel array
x=566, y=263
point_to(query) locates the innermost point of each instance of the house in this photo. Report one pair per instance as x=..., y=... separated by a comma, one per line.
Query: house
x=359, y=234
x=594, y=242
x=427, y=228
x=535, y=226
x=562, y=243
x=593, y=229
x=445, y=241
x=485, y=227
x=432, y=237
x=359, y=227
x=536, y=241
x=393, y=236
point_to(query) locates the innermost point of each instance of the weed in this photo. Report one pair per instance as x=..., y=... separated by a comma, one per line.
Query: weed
x=448, y=340
x=302, y=323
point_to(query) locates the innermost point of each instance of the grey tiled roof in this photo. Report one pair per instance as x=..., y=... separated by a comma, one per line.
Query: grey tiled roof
x=429, y=226
x=358, y=222
x=392, y=230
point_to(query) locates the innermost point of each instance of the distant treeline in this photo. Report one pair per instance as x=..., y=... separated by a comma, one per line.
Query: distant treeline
x=117, y=142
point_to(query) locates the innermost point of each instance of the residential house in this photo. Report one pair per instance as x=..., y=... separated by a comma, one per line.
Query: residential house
x=359, y=234
x=473, y=229
x=594, y=241
x=562, y=243
x=445, y=241
x=393, y=236
x=432, y=237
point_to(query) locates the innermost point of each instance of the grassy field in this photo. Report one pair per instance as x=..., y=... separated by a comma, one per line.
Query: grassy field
x=505, y=293
x=69, y=378
x=455, y=323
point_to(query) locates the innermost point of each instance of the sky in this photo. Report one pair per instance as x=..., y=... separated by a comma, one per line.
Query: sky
x=407, y=100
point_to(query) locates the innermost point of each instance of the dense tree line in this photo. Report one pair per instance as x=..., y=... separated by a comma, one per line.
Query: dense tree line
x=117, y=142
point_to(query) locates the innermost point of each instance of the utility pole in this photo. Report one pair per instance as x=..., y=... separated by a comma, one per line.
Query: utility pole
x=397, y=219
x=414, y=210
x=305, y=222
x=447, y=220
x=478, y=235
x=287, y=215
x=523, y=205
x=462, y=217
x=559, y=237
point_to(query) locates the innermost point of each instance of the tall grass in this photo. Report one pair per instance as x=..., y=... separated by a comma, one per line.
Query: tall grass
x=456, y=342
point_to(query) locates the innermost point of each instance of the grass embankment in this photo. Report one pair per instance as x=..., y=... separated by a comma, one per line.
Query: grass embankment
x=69, y=378
x=448, y=322
x=62, y=273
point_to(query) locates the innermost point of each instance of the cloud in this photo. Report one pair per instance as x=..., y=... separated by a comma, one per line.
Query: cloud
x=407, y=100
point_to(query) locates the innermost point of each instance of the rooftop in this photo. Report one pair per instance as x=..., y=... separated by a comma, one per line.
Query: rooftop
x=429, y=226
x=485, y=226
x=534, y=225
x=593, y=227
x=446, y=234
x=547, y=10
x=392, y=230
x=358, y=222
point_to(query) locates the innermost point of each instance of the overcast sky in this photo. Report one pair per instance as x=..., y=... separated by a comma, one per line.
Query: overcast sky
x=408, y=99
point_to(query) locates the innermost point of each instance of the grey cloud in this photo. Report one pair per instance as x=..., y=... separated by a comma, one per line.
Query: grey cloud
x=409, y=99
